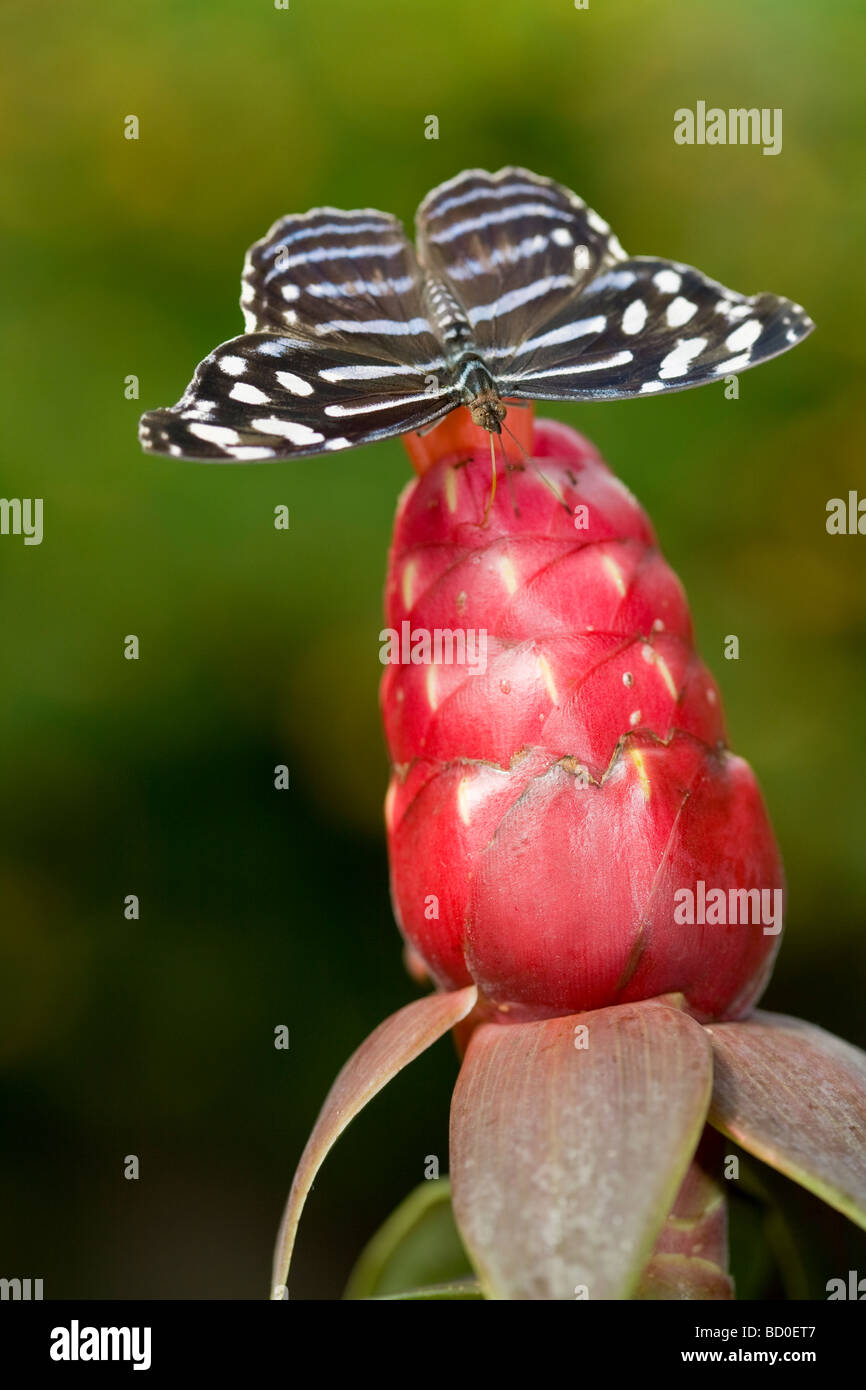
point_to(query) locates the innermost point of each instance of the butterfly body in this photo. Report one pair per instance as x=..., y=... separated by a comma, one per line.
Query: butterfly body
x=448, y=317
x=515, y=289
x=478, y=391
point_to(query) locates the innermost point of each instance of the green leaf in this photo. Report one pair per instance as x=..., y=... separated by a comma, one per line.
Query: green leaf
x=460, y=1289
x=389, y=1048
x=417, y=1248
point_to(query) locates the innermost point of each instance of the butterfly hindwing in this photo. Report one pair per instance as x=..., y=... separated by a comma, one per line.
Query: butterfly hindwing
x=649, y=325
x=513, y=248
x=268, y=396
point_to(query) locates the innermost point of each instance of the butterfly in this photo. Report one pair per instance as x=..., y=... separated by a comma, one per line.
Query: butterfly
x=515, y=290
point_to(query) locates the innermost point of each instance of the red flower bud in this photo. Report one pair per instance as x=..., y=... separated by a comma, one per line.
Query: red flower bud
x=566, y=826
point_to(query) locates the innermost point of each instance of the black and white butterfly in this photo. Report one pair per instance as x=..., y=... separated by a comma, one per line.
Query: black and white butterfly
x=516, y=289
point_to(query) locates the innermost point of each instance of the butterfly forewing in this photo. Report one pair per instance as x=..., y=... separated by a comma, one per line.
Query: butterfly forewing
x=340, y=277
x=340, y=349
x=268, y=396
x=514, y=249
x=650, y=325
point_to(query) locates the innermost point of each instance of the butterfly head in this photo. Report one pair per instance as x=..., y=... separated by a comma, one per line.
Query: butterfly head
x=488, y=411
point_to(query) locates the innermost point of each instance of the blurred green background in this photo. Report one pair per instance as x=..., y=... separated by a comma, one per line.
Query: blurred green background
x=260, y=647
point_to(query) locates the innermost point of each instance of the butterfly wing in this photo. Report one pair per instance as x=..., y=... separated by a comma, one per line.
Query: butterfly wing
x=646, y=326
x=266, y=396
x=339, y=350
x=514, y=248
x=326, y=274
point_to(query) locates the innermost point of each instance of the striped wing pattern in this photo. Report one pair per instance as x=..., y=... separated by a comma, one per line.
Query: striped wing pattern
x=345, y=278
x=352, y=337
x=514, y=249
x=339, y=351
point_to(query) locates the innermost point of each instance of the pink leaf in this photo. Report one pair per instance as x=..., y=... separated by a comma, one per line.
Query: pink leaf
x=690, y=1256
x=795, y=1096
x=569, y=1140
x=391, y=1047
x=681, y=1277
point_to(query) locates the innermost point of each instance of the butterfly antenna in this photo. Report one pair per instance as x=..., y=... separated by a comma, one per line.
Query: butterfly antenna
x=513, y=436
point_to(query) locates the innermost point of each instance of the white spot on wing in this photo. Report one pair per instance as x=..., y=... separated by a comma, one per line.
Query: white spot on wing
x=291, y=430
x=733, y=364
x=275, y=347
x=250, y=395
x=678, y=361
x=613, y=280
x=679, y=311
x=252, y=451
x=215, y=434
x=733, y=310
x=295, y=384
x=667, y=281
x=597, y=223
x=744, y=336
x=231, y=365
x=634, y=317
